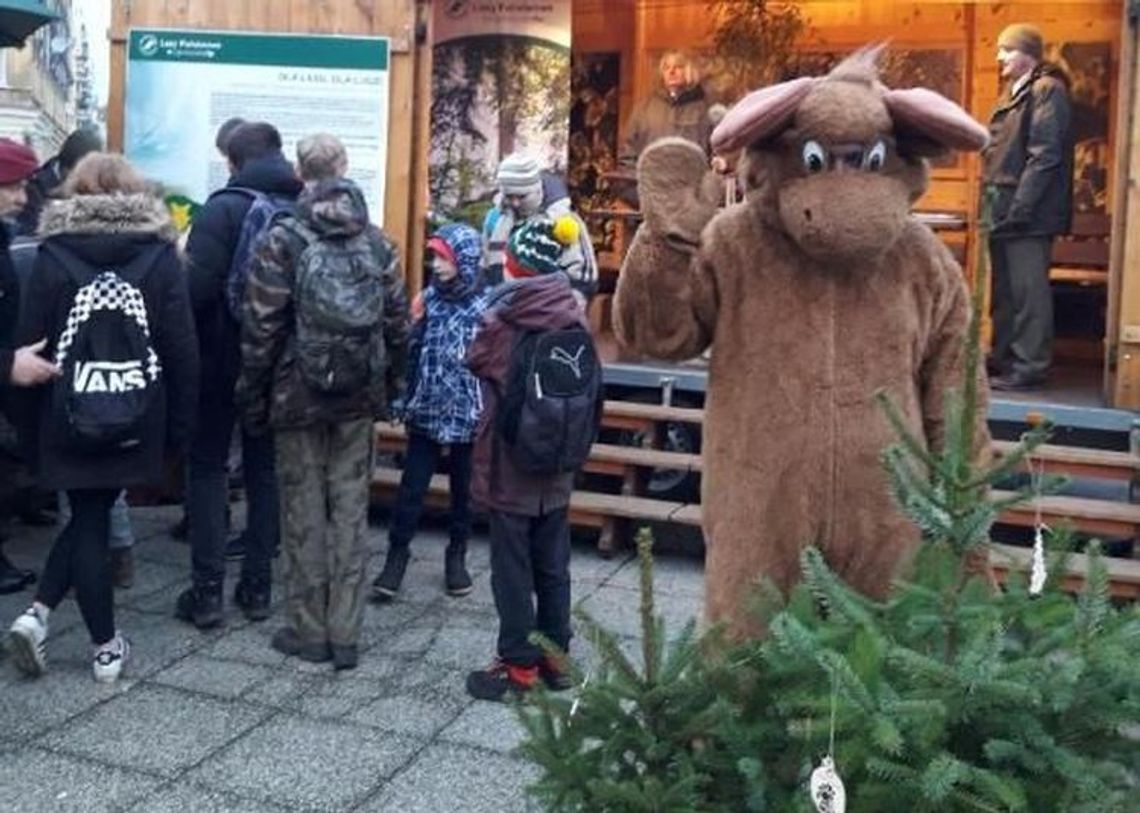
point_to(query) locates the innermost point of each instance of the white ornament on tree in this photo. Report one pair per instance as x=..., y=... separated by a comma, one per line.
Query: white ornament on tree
x=827, y=791
x=1037, y=572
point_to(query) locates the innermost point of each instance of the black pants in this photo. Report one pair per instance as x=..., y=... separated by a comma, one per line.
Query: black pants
x=207, y=495
x=1022, y=304
x=419, y=466
x=80, y=559
x=530, y=578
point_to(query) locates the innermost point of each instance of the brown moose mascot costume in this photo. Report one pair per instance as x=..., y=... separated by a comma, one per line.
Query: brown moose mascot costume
x=816, y=291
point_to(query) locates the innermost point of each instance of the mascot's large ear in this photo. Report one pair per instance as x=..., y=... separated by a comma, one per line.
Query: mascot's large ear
x=926, y=116
x=760, y=114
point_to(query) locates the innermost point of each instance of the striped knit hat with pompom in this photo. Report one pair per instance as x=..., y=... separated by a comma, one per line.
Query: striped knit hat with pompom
x=536, y=247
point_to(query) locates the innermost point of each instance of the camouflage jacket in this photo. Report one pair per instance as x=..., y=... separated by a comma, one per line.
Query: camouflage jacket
x=271, y=391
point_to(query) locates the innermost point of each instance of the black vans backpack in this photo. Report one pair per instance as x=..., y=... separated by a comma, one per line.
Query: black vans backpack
x=339, y=302
x=110, y=370
x=551, y=406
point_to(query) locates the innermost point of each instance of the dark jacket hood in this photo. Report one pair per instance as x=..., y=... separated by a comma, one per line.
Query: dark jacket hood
x=538, y=303
x=333, y=208
x=272, y=175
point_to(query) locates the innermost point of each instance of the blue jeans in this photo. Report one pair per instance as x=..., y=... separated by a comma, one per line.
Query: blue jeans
x=419, y=466
x=530, y=579
x=120, y=534
x=207, y=492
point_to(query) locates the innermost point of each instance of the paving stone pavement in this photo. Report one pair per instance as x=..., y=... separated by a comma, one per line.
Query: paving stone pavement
x=220, y=722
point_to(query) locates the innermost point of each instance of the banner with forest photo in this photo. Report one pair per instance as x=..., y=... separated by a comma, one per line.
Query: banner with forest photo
x=500, y=84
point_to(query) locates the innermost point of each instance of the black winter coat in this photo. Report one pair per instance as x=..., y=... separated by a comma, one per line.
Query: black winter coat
x=111, y=231
x=9, y=307
x=209, y=249
x=1029, y=161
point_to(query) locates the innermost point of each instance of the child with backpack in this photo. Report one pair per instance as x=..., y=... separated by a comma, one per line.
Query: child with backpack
x=442, y=407
x=323, y=338
x=541, y=384
x=109, y=294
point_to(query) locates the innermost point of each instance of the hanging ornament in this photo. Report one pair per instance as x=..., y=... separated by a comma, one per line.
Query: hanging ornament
x=578, y=700
x=827, y=791
x=1037, y=572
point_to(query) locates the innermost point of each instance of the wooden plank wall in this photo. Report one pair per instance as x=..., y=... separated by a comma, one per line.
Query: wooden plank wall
x=404, y=211
x=1124, y=316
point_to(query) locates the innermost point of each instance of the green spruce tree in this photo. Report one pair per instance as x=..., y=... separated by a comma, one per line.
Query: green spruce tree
x=948, y=696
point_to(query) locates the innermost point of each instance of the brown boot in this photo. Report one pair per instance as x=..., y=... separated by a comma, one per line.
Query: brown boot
x=123, y=567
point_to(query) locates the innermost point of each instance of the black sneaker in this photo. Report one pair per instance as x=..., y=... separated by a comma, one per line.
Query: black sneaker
x=235, y=549
x=344, y=657
x=253, y=599
x=200, y=606
x=554, y=675
x=501, y=680
x=387, y=584
x=286, y=641
x=455, y=576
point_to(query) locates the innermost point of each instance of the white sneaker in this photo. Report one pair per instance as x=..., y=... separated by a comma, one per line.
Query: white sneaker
x=26, y=642
x=110, y=659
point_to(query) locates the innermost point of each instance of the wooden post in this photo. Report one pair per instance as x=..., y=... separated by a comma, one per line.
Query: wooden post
x=1124, y=311
x=421, y=148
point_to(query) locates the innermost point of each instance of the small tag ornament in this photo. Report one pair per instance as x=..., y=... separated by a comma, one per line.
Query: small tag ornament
x=827, y=791
x=1037, y=572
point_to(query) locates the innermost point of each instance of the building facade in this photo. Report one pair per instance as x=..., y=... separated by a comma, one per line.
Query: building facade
x=37, y=93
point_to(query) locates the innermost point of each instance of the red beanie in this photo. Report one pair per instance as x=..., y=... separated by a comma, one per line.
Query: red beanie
x=17, y=162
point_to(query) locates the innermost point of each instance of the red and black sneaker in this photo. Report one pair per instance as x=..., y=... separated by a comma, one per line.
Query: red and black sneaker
x=554, y=675
x=501, y=679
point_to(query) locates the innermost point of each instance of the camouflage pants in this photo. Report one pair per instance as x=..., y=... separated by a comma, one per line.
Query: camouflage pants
x=324, y=473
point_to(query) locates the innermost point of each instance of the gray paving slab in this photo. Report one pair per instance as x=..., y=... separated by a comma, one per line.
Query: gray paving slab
x=676, y=575
x=462, y=647
x=448, y=778
x=30, y=706
x=492, y=726
x=178, y=797
x=153, y=580
x=421, y=714
x=155, y=729
x=616, y=608
x=225, y=679
x=33, y=779
x=157, y=640
x=335, y=695
x=315, y=764
x=281, y=690
x=248, y=643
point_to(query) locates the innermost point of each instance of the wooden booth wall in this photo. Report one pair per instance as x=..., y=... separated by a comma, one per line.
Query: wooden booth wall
x=950, y=45
x=404, y=212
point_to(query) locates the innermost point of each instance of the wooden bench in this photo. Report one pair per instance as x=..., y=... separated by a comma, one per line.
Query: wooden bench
x=1123, y=574
x=1081, y=256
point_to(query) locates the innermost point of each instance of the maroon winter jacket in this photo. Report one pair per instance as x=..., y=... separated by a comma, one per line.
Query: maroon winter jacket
x=537, y=303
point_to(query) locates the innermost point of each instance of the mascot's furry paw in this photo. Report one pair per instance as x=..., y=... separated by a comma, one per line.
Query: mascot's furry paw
x=679, y=192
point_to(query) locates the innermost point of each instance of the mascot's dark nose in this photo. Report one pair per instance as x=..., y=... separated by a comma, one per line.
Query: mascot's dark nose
x=847, y=155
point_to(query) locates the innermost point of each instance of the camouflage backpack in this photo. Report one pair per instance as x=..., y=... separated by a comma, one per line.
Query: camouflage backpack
x=339, y=306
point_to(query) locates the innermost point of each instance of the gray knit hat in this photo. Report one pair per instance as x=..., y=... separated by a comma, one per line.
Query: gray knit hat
x=518, y=174
x=1023, y=37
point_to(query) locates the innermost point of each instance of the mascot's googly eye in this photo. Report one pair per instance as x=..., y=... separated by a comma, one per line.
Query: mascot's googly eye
x=815, y=158
x=875, y=157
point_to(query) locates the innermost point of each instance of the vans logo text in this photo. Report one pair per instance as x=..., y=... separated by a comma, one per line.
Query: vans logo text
x=109, y=376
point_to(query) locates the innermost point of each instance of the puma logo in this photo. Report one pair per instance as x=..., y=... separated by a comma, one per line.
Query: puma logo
x=574, y=362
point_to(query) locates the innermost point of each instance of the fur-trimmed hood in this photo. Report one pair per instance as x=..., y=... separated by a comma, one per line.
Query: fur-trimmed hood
x=133, y=214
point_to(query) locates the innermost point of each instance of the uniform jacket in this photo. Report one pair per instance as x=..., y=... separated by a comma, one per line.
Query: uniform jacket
x=1029, y=161
x=107, y=231
x=443, y=399
x=536, y=303
x=271, y=390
